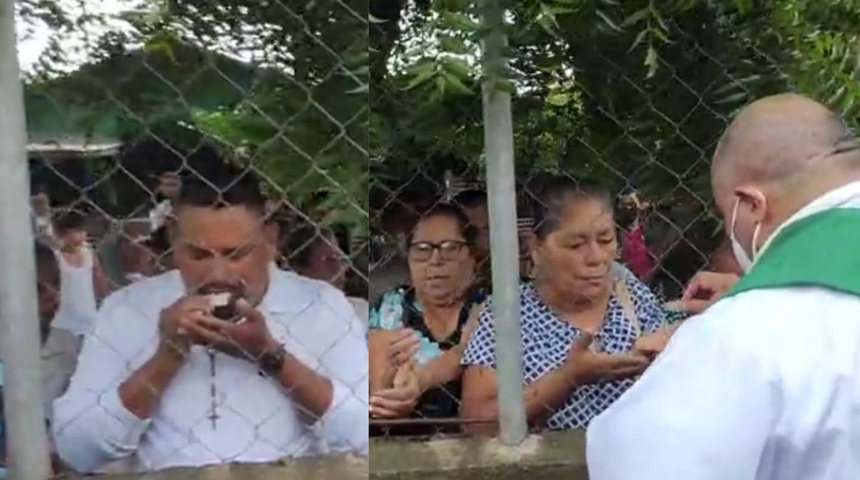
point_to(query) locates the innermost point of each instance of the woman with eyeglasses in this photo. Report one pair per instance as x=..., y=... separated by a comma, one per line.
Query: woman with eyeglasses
x=419, y=331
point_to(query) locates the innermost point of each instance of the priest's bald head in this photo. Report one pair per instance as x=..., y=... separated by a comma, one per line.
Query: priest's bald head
x=779, y=154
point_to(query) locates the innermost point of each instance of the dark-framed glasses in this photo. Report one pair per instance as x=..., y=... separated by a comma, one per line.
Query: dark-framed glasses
x=448, y=250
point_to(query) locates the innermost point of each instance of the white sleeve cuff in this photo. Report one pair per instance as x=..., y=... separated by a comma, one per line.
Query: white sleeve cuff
x=91, y=430
x=345, y=426
x=121, y=429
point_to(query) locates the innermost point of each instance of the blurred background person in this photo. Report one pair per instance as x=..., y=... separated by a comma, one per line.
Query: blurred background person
x=83, y=285
x=167, y=189
x=635, y=253
x=48, y=300
x=43, y=228
x=474, y=204
x=313, y=252
x=137, y=260
x=425, y=325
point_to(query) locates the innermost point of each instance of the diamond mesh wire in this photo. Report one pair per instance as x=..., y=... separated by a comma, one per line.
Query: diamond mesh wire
x=630, y=97
x=178, y=150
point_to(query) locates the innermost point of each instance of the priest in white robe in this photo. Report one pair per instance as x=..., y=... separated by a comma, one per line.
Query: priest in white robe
x=765, y=384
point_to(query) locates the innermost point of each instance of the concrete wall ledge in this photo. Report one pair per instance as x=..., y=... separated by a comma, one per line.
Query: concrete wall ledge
x=323, y=468
x=552, y=456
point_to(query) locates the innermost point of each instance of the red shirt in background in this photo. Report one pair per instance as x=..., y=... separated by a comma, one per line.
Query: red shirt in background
x=635, y=253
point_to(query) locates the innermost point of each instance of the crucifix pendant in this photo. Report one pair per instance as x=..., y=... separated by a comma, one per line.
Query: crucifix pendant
x=213, y=395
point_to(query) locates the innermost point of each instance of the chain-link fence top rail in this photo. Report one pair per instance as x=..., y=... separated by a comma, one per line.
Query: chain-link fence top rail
x=630, y=95
x=220, y=140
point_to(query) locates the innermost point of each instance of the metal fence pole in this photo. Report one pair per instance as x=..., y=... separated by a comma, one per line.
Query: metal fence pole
x=19, y=327
x=504, y=241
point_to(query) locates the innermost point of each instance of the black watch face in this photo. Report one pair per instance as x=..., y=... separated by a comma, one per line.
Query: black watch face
x=273, y=361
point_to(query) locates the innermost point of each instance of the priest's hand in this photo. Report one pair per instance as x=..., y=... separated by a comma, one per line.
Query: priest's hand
x=704, y=290
x=652, y=344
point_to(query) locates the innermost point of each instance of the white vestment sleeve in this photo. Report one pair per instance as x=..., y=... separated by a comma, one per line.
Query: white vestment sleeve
x=345, y=426
x=336, y=347
x=703, y=411
x=91, y=426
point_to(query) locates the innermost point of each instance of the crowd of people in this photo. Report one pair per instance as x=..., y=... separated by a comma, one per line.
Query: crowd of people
x=241, y=345
x=751, y=373
x=432, y=338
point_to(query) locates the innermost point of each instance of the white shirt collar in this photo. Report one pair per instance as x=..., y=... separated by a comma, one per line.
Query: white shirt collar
x=844, y=196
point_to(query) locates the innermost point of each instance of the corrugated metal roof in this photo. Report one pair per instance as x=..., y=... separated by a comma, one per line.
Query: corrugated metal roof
x=66, y=148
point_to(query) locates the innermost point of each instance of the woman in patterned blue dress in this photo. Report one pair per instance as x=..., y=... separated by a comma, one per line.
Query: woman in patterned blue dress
x=588, y=326
x=419, y=331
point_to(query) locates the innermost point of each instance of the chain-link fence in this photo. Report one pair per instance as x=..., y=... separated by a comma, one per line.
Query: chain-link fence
x=219, y=139
x=197, y=172
x=617, y=104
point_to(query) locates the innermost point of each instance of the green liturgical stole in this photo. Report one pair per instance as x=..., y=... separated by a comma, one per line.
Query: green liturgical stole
x=822, y=250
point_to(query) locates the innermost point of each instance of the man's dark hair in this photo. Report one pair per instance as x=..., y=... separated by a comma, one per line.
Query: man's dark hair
x=69, y=221
x=220, y=186
x=302, y=240
x=470, y=199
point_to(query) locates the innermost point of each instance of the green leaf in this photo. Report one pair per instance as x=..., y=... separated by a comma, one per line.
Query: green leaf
x=455, y=85
x=656, y=16
x=549, y=25
x=362, y=89
x=458, y=67
x=734, y=98
x=423, y=75
x=460, y=22
x=744, y=6
x=558, y=99
x=608, y=21
x=640, y=37
x=505, y=85
x=652, y=61
x=453, y=44
x=636, y=17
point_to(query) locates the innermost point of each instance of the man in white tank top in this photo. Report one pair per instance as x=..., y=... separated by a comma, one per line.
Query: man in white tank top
x=82, y=286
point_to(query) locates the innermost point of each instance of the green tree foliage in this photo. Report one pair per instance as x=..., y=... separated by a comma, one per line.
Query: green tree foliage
x=624, y=92
x=280, y=85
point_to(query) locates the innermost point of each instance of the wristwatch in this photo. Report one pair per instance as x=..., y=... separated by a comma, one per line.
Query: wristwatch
x=272, y=362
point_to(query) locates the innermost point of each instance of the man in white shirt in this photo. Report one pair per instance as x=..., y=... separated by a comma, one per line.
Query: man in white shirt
x=765, y=384
x=163, y=381
x=83, y=285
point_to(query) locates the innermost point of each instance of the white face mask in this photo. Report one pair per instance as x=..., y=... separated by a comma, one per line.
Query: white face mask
x=745, y=261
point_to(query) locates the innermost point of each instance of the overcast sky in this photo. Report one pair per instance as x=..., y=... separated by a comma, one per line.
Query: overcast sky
x=32, y=40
